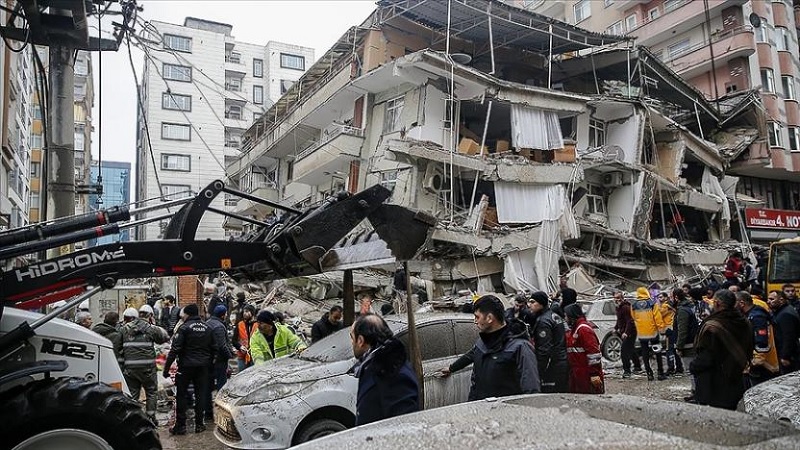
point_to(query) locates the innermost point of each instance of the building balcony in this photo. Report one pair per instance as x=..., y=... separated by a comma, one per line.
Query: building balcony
x=330, y=156
x=727, y=45
x=267, y=191
x=681, y=17
x=623, y=5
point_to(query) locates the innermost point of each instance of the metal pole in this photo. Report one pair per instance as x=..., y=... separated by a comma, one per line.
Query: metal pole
x=413, y=338
x=60, y=149
x=349, y=302
x=550, y=58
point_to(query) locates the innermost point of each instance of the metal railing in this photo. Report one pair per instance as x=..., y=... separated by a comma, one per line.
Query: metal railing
x=715, y=37
x=333, y=134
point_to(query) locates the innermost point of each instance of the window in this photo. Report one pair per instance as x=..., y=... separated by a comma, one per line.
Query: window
x=293, y=61
x=176, y=132
x=391, y=118
x=179, y=163
x=583, y=10
x=597, y=133
x=233, y=138
x=81, y=67
x=175, y=191
x=36, y=140
x=179, y=43
x=654, y=14
x=630, y=22
x=596, y=203
x=616, y=28
x=466, y=334
x=80, y=138
x=678, y=48
x=730, y=87
x=79, y=90
x=438, y=338
x=286, y=85
x=177, y=102
x=36, y=169
x=608, y=3
x=177, y=73
x=788, y=87
x=233, y=112
x=37, y=112
x=672, y=5
x=233, y=84
x=794, y=139
x=258, y=95
x=762, y=32
x=782, y=38
x=258, y=68
x=233, y=57
x=33, y=200
x=389, y=179
x=767, y=80
x=775, y=130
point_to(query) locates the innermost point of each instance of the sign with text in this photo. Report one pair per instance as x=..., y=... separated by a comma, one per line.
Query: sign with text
x=772, y=218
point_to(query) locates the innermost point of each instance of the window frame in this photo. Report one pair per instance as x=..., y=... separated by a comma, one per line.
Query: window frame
x=618, y=24
x=169, y=76
x=579, y=6
x=788, y=86
x=180, y=188
x=682, y=46
x=285, y=65
x=39, y=137
x=794, y=139
x=165, y=158
x=782, y=39
x=597, y=129
x=628, y=26
x=166, y=41
x=395, y=105
x=260, y=72
x=762, y=32
x=182, y=125
x=170, y=96
x=767, y=80
x=284, y=91
x=774, y=134
x=595, y=196
x=650, y=16
x=258, y=101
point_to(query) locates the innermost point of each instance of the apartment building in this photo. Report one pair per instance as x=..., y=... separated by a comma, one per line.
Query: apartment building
x=116, y=192
x=201, y=89
x=725, y=49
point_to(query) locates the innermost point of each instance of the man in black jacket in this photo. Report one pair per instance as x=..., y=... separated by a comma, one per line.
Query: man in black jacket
x=330, y=323
x=170, y=314
x=550, y=345
x=387, y=385
x=194, y=348
x=218, y=370
x=625, y=328
x=787, y=331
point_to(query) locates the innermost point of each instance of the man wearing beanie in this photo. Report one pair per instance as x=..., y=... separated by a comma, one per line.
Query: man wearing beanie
x=585, y=359
x=550, y=344
x=218, y=370
x=647, y=317
x=272, y=340
x=245, y=329
x=194, y=347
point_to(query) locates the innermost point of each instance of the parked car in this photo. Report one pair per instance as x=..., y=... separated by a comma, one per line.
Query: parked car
x=778, y=399
x=302, y=397
x=602, y=314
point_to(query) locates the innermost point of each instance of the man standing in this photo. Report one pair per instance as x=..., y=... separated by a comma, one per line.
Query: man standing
x=791, y=296
x=218, y=370
x=108, y=329
x=626, y=329
x=272, y=340
x=139, y=337
x=170, y=314
x=550, y=345
x=647, y=318
x=585, y=358
x=84, y=319
x=330, y=323
x=194, y=348
x=245, y=328
x=387, y=385
x=667, y=308
x=503, y=362
x=764, y=364
x=520, y=309
x=724, y=346
x=787, y=331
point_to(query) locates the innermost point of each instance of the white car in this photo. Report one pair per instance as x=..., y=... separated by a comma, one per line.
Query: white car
x=298, y=398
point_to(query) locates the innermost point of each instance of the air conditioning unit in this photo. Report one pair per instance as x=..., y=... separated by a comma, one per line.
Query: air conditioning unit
x=612, y=179
x=435, y=180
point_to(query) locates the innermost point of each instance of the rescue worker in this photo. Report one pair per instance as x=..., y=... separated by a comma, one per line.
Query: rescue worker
x=146, y=313
x=330, y=323
x=550, y=345
x=787, y=331
x=108, y=328
x=139, y=338
x=583, y=352
x=724, y=347
x=218, y=369
x=668, y=309
x=170, y=314
x=625, y=328
x=194, y=347
x=647, y=318
x=764, y=364
x=387, y=385
x=272, y=340
x=84, y=319
x=245, y=328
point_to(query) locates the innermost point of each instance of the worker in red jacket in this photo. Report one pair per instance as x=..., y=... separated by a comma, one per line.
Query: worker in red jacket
x=583, y=354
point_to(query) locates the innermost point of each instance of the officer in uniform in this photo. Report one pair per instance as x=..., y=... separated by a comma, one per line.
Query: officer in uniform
x=139, y=355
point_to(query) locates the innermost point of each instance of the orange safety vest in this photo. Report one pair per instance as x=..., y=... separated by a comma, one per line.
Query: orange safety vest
x=244, y=339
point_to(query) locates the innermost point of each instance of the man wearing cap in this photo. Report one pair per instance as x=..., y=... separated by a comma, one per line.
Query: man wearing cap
x=272, y=340
x=139, y=355
x=194, y=348
x=550, y=344
x=218, y=370
x=585, y=359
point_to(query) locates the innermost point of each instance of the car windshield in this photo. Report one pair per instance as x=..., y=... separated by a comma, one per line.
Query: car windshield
x=336, y=347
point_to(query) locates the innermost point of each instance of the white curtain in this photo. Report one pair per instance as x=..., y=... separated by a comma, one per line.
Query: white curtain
x=548, y=251
x=535, y=128
x=711, y=186
x=518, y=271
x=528, y=203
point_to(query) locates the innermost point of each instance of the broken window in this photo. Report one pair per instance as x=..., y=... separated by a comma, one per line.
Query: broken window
x=775, y=131
x=768, y=80
x=389, y=179
x=595, y=200
x=597, y=133
x=391, y=118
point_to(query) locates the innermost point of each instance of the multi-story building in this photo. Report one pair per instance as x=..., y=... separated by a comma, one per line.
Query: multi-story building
x=201, y=90
x=84, y=100
x=116, y=182
x=725, y=49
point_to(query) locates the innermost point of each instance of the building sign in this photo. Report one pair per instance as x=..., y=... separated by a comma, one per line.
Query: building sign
x=776, y=219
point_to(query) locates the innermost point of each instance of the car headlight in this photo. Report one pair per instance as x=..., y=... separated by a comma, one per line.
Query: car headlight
x=273, y=392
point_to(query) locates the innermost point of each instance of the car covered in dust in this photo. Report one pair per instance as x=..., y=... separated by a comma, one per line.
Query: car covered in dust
x=298, y=398
x=602, y=315
x=778, y=399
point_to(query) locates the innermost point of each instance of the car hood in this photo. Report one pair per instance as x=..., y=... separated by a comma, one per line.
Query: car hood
x=287, y=370
x=778, y=398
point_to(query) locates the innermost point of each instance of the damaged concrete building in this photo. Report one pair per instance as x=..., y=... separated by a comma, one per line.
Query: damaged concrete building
x=534, y=159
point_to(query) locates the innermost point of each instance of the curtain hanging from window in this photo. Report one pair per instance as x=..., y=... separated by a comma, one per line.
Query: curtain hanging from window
x=535, y=128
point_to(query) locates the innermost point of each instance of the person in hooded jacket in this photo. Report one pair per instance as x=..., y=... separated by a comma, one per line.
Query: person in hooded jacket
x=647, y=317
x=764, y=364
x=583, y=352
x=387, y=385
x=550, y=345
x=626, y=329
x=330, y=323
x=109, y=329
x=139, y=355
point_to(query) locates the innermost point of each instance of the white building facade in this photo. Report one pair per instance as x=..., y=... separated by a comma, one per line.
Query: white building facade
x=201, y=89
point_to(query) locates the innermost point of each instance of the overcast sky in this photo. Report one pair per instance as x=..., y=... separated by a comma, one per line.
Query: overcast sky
x=315, y=24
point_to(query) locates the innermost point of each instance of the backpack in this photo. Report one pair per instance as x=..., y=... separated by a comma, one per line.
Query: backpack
x=694, y=324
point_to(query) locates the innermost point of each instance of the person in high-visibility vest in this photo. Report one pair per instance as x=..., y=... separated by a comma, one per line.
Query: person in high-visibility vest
x=245, y=328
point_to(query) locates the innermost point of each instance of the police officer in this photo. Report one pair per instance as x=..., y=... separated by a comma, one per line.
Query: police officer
x=139, y=355
x=550, y=344
x=194, y=347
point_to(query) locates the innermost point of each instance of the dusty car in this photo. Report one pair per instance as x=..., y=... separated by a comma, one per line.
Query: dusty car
x=778, y=399
x=306, y=396
x=557, y=421
x=602, y=314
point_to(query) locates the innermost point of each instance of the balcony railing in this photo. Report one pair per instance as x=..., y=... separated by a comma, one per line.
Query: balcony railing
x=715, y=37
x=234, y=58
x=333, y=134
x=233, y=87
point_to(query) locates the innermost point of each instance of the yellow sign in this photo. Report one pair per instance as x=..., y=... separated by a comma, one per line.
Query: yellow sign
x=225, y=263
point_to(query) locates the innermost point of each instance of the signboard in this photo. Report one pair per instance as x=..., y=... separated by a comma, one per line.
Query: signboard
x=774, y=219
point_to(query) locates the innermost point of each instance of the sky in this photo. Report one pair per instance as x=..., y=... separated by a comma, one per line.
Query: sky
x=315, y=24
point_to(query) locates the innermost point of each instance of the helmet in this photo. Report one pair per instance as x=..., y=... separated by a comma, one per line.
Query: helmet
x=146, y=309
x=84, y=306
x=130, y=312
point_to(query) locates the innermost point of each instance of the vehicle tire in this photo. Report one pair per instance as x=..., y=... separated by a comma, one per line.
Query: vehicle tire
x=319, y=428
x=86, y=414
x=612, y=348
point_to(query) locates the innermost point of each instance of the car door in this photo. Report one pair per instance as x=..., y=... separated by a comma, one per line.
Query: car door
x=437, y=348
x=466, y=333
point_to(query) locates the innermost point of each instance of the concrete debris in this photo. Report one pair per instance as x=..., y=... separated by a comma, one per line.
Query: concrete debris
x=733, y=141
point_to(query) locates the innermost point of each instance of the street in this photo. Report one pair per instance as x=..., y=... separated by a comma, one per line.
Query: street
x=674, y=389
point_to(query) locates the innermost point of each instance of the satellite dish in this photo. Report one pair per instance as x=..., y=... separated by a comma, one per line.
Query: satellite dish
x=755, y=20
x=461, y=58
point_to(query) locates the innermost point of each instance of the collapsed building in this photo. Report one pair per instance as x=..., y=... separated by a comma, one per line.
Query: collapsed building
x=538, y=146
